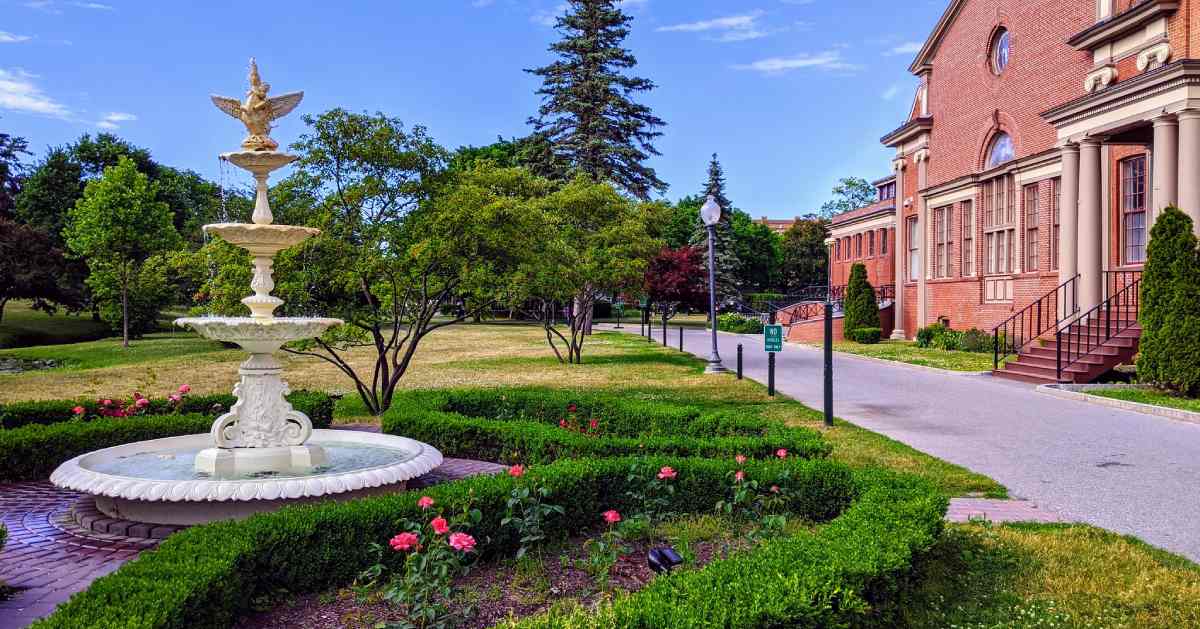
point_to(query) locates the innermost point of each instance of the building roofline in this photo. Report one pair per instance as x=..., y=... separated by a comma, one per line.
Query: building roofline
x=924, y=59
x=868, y=212
x=882, y=180
x=1162, y=78
x=1121, y=23
x=907, y=130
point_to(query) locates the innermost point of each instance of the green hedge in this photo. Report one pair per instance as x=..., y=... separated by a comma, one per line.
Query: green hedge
x=317, y=405
x=738, y=324
x=522, y=426
x=207, y=576
x=867, y=336
x=32, y=452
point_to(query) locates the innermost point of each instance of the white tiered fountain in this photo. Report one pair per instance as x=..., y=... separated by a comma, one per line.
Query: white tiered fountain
x=262, y=453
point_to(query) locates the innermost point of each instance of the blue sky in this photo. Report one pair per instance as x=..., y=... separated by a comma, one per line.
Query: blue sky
x=792, y=94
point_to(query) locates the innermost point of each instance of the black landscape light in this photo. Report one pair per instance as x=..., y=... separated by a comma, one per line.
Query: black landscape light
x=663, y=559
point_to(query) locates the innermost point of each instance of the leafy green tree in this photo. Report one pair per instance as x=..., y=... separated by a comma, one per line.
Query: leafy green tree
x=805, y=257
x=599, y=244
x=675, y=281
x=115, y=227
x=32, y=268
x=758, y=252
x=850, y=193
x=532, y=152
x=679, y=224
x=49, y=193
x=728, y=265
x=588, y=114
x=11, y=169
x=861, y=310
x=1169, y=350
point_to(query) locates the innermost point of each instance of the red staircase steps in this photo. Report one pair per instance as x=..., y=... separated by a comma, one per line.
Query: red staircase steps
x=1038, y=362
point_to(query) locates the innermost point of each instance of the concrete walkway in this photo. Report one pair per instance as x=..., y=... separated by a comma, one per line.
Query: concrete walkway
x=1120, y=470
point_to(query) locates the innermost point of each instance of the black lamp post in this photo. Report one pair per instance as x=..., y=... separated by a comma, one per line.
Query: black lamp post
x=710, y=213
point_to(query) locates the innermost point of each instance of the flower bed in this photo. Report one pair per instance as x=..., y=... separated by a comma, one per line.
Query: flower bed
x=32, y=451
x=530, y=425
x=209, y=575
x=317, y=405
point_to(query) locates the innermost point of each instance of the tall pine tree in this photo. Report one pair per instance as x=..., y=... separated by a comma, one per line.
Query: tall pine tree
x=587, y=111
x=724, y=247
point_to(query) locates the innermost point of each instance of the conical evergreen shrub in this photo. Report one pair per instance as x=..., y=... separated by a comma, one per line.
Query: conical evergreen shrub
x=1170, y=306
x=860, y=308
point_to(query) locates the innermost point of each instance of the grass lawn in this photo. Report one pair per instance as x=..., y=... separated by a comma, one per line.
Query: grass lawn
x=908, y=352
x=1150, y=396
x=23, y=326
x=1051, y=575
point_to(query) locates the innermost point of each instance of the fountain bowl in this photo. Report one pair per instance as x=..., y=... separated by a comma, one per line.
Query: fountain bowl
x=155, y=482
x=258, y=335
x=261, y=240
x=259, y=161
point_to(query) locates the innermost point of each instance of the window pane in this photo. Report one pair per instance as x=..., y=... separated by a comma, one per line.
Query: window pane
x=1000, y=151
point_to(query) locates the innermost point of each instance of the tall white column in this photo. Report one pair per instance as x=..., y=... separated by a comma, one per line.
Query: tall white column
x=1068, y=223
x=1165, y=165
x=1091, y=246
x=900, y=247
x=922, y=159
x=1189, y=165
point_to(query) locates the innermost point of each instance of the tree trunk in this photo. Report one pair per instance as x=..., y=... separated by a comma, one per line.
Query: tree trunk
x=124, y=309
x=3, y=303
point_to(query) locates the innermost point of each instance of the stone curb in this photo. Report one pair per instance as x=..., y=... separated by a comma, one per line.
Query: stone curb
x=896, y=363
x=1076, y=392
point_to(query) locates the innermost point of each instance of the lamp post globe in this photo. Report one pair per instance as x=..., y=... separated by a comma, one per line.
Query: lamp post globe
x=710, y=213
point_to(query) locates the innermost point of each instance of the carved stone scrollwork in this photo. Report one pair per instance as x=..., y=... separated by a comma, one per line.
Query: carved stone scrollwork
x=1100, y=78
x=1153, y=56
x=262, y=416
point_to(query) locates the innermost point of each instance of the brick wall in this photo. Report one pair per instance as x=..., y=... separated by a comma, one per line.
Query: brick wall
x=813, y=330
x=881, y=267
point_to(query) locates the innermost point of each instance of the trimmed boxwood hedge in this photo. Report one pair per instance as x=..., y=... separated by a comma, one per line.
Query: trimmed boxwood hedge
x=317, y=405
x=520, y=425
x=208, y=575
x=31, y=452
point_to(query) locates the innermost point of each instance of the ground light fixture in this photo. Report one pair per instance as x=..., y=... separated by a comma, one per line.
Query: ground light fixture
x=710, y=213
x=663, y=559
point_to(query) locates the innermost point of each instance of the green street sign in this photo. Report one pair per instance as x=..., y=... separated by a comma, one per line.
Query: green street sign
x=620, y=307
x=773, y=337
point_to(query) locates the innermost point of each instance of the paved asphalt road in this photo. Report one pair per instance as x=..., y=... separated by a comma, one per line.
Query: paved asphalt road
x=1121, y=470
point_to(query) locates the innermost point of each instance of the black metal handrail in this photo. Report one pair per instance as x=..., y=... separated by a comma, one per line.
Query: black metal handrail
x=1034, y=320
x=812, y=301
x=1116, y=281
x=1097, y=326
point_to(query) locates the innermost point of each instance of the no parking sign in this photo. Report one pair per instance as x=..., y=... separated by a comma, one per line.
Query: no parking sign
x=773, y=337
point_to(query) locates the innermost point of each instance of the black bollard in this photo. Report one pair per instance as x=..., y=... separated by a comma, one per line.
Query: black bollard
x=664, y=331
x=771, y=374
x=828, y=364
x=739, y=368
x=681, y=338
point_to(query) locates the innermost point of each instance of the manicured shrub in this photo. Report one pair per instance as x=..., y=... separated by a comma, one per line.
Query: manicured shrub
x=976, y=340
x=867, y=336
x=542, y=425
x=937, y=336
x=861, y=310
x=739, y=324
x=1170, y=306
x=317, y=405
x=31, y=452
x=207, y=576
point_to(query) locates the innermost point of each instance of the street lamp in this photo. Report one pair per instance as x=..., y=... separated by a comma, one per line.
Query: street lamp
x=710, y=213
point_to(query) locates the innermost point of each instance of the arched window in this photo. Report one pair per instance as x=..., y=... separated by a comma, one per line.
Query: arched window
x=1000, y=49
x=1000, y=150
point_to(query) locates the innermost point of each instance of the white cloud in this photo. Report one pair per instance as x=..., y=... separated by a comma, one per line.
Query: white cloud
x=891, y=92
x=19, y=93
x=830, y=60
x=96, y=6
x=634, y=4
x=12, y=38
x=479, y=4
x=731, y=28
x=111, y=120
x=549, y=18
x=907, y=48
x=52, y=6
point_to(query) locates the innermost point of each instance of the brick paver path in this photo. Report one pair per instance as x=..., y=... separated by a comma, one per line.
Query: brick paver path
x=49, y=558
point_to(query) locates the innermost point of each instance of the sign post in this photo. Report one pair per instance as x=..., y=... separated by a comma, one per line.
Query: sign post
x=772, y=342
x=620, y=308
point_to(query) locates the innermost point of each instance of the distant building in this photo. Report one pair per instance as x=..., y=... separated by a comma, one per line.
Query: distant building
x=779, y=225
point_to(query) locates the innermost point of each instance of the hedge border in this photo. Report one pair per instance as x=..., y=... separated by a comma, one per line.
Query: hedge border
x=521, y=427
x=207, y=576
x=317, y=405
x=31, y=452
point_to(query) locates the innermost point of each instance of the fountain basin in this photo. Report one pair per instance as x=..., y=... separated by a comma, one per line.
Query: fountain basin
x=261, y=240
x=259, y=161
x=258, y=335
x=155, y=481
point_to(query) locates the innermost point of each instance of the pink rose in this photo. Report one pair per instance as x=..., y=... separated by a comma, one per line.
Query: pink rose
x=740, y=459
x=404, y=541
x=562, y=423
x=739, y=476
x=516, y=471
x=174, y=398
x=184, y=389
x=594, y=423
x=142, y=402
x=571, y=408
x=781, y=453
x=666, y=473
x=137, y=396
x=440, y=526
x=774, y=489
x=107, y=402
x=611, y=516
x=78, y=410
x=462, y=542
x=425, y=502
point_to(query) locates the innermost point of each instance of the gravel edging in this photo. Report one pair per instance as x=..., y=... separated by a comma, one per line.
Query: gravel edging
x=1079, y=393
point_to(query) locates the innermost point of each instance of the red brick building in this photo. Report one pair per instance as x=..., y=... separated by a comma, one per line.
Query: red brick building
x=1044, y=137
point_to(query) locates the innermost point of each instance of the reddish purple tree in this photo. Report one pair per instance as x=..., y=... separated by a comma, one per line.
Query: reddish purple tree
x=675, y=279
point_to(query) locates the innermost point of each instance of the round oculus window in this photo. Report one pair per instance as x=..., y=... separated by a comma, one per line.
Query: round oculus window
x=1000, y=50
